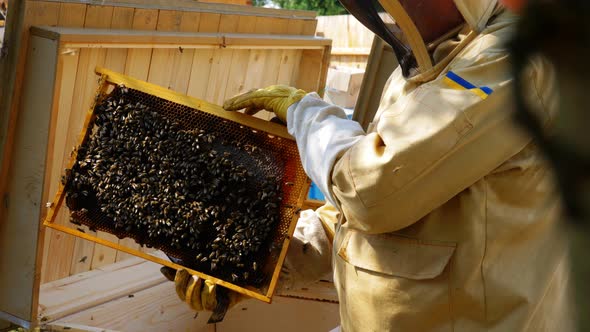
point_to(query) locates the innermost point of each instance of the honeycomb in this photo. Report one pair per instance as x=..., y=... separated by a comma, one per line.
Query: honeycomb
x=263, y=155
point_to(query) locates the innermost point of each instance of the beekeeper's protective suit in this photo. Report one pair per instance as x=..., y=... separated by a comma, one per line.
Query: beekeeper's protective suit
x=449, y=218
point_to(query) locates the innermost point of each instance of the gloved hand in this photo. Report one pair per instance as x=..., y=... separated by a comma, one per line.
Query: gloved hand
x=309, y=258
x=275, y=98
x=200, y=294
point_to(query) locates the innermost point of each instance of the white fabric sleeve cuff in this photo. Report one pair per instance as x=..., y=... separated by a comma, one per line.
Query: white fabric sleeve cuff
x=323, y=134
x=308, y=259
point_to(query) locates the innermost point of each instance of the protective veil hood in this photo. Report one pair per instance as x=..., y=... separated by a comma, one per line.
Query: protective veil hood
x=410, y=48
x=476, y=12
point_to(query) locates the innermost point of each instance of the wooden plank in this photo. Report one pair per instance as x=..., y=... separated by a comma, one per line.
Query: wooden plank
x=309, y=67
x=203, y=59
x=42, y=13
x=183, y=62
x=21, y=236
x=145, y=19
x=273, y=60
x=200, y=6
x=295, y=27
x=138, y=63
x=256, y=66
x=269, y=76
x=209, y=22
x=122, y=18
x=138, y=60
x=86, y=290
x=200, y=71
x=271, y=25
x=102, y=255
x=152, y=309
x=72, y=15
x=309, y=27
x=169, y=20
x=98, y=16
x=289, y=63
x=127, y=242
x=237, y=74
x=219, y=76
x=190, y=21
x=57, y=256
x=115, y=59
x=160, y=72
x=263, y=25
x=272, y=65
x=161, y=66
x=181, y=69
x=247, y=24
x=229, y=23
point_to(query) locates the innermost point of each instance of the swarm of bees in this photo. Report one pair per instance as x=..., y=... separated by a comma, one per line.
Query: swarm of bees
x=182, y=191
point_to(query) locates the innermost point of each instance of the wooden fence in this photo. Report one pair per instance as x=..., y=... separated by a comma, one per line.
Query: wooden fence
x=351, y=40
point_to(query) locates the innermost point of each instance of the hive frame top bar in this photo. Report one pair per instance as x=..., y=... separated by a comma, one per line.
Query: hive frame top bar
x=246, y=120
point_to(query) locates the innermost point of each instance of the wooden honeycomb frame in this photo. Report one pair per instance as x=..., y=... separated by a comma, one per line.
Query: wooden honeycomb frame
x=109, y=78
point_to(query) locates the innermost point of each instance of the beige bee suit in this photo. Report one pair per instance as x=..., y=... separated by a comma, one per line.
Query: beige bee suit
x=451, y=221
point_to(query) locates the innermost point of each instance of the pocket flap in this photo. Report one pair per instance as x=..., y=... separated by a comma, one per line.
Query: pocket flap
x=396, y=255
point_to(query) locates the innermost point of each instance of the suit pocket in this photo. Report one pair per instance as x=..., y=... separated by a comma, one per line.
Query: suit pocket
x=396, y=255
x=388, y=282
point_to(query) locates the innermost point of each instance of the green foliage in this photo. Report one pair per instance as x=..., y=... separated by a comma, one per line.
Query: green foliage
x=323, y=7
x=258, y=3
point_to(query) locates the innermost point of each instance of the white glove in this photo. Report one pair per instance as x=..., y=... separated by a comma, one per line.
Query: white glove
x=309, y=258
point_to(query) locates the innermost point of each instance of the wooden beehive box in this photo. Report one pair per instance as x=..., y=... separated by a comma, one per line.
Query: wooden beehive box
x=211, y=67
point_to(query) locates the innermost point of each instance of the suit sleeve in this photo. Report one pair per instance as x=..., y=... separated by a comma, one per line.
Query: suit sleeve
x=430, y=147
x=323, y=133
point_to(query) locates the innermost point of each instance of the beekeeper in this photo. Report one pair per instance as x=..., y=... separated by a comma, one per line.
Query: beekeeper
x=449, y=220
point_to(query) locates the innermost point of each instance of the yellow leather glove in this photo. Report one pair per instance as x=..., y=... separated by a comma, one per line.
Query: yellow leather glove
x=200, y=294
x=275, y=98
